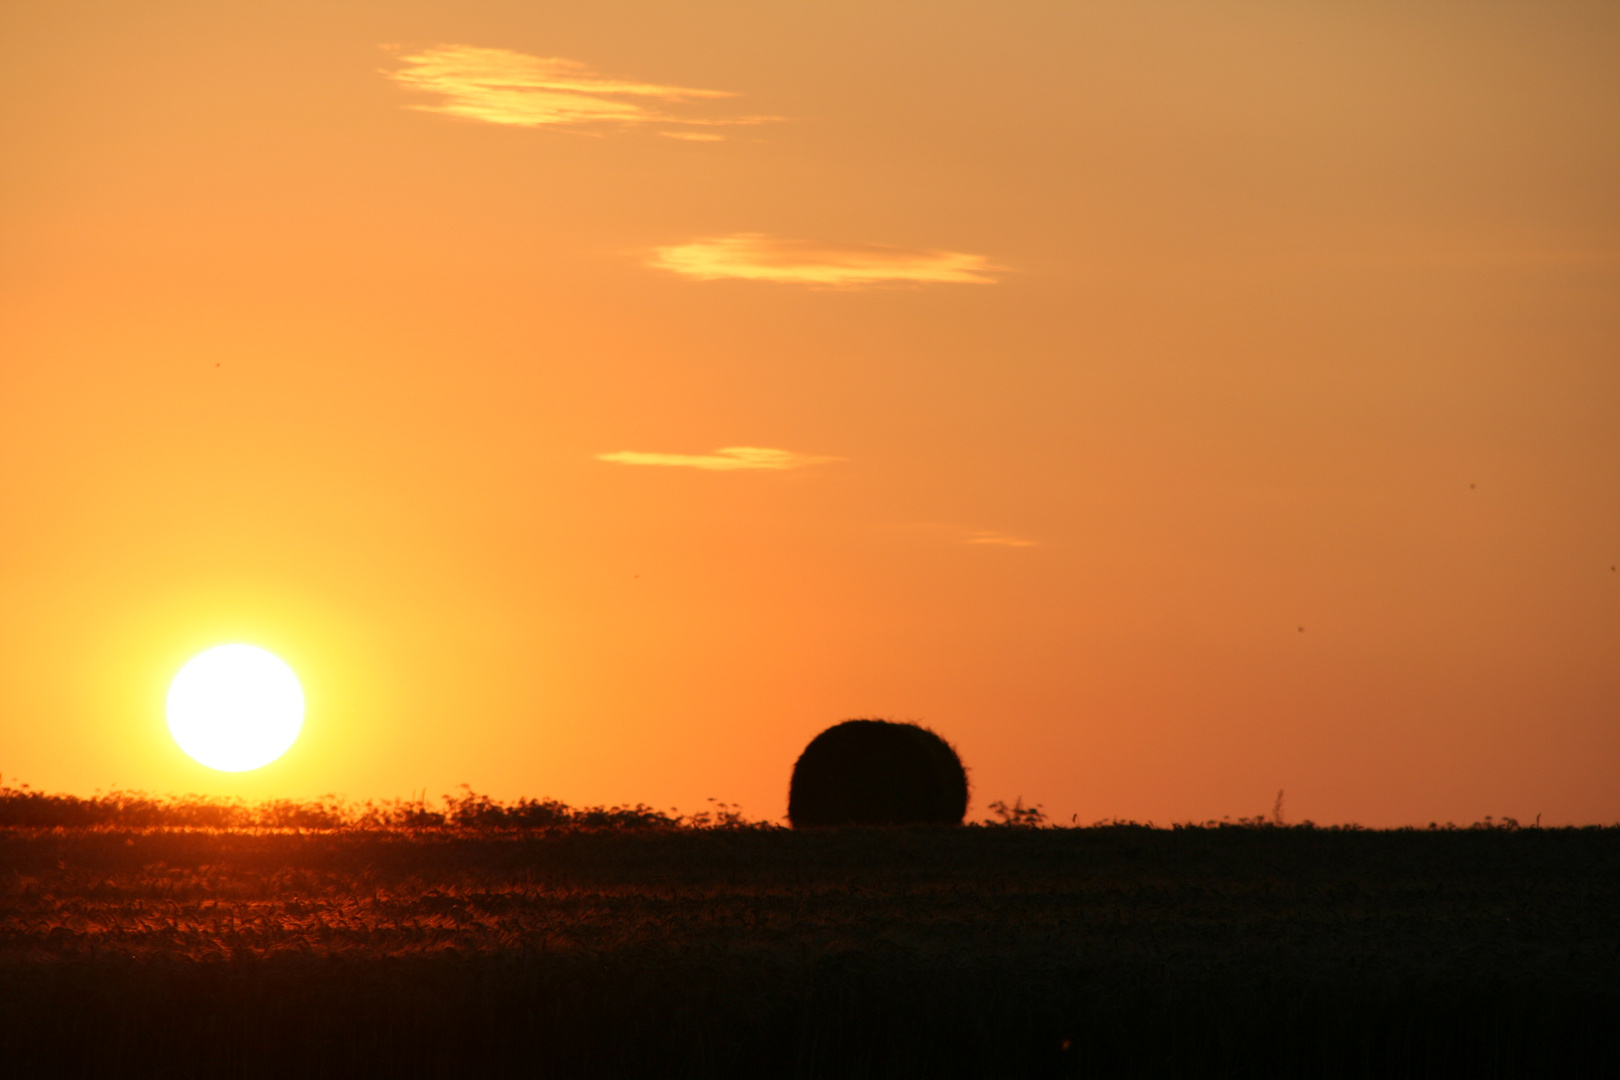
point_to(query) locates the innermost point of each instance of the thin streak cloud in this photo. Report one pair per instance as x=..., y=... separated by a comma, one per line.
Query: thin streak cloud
x=726, y=459
x=500, y=86
x=999, y=540
x=758, y=257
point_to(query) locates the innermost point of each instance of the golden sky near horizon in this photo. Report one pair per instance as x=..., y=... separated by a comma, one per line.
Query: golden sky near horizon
x=1167, y=403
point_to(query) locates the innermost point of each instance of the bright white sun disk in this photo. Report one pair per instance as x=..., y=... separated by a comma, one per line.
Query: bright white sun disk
x=235, y=707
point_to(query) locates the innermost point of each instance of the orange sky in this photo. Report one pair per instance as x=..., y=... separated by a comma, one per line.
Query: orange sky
x=598, y=400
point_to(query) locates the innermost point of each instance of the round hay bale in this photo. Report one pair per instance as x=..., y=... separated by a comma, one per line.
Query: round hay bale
x=876, y=772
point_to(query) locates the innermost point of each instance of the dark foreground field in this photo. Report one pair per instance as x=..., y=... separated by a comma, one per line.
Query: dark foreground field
x=743, y=952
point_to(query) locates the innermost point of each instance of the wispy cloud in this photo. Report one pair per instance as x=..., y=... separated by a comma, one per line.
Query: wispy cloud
x=999, y=539
x=758, y=257
x=726, y=459
x=499, y=86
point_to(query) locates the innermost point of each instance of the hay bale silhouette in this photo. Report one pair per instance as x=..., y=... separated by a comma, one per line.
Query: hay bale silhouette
x=876, y=772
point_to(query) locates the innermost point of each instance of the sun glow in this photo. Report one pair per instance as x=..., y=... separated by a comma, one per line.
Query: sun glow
x=235, y=707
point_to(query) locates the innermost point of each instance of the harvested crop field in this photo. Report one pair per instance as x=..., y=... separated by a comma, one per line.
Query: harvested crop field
x=1110, y=951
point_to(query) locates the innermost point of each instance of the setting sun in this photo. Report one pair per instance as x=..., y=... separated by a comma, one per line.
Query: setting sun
x=235, y=707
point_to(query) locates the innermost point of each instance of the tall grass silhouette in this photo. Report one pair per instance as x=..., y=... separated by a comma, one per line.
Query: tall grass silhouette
x=467, y=811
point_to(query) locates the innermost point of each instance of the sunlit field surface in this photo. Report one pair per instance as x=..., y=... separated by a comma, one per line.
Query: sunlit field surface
x=477, y=939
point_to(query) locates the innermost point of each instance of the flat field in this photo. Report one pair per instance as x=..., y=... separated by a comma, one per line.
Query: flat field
x=1111, y=951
